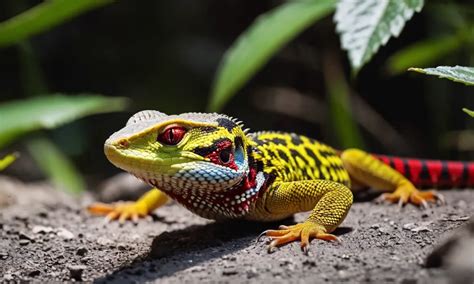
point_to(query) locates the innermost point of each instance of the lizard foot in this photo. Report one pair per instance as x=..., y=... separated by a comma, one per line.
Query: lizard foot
x=302, y=231
x=121, y=210
x=409, y=194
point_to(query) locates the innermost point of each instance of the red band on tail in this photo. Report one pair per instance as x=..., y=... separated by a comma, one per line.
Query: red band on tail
x=433, y=173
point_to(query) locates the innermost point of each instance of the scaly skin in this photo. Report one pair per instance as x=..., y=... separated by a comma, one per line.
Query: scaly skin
x=211, y=166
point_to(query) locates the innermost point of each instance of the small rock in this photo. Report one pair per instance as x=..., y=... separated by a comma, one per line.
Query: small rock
x=4, y=255
x=24, y=236
x=65, y=234
x=81, y=251
x=310, y=263
x=76, y=271
x=24, y=242
x=41, y=229
x=34, y=273
x=104, y=241
x=251, y=273
x=122, y=247
x=345, y=256
x=229, y=271
x=197, y=268
x=375, y=226
x=409, y=226
x=423, y=227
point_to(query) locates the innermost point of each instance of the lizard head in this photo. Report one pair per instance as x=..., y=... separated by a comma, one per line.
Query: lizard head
x=176, y=153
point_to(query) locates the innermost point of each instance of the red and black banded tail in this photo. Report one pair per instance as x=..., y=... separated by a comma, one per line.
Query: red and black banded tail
x=433, y=173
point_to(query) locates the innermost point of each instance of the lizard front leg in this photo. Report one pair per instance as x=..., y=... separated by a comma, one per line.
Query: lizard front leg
x=330, y=202
x=133, y=210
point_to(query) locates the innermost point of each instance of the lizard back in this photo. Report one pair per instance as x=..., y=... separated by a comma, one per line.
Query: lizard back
x=292, y=157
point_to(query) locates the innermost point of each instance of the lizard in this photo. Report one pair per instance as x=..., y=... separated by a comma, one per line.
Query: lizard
x=213, y=166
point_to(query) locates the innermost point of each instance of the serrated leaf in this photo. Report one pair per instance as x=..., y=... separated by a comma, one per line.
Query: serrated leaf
x=56, y=165
x=470, y=112
x=7, y=160
x=459, y=74
x=268, y=34
x=365, y=25
x=43, y=17
x=45, y=112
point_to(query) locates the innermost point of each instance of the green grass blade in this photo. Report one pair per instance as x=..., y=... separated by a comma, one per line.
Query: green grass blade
x=42, y=17
x=46, y=112
x=268, y=34
x=55, y=165
x=423, y=53
x=7, y=160
x=459, y=74
x=470, y=112
x=345, y=128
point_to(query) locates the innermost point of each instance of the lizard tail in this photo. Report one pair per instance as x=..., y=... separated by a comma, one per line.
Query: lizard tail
x=433, y=173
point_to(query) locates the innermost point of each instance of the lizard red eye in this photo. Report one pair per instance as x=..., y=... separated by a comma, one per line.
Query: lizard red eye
x=172, y=135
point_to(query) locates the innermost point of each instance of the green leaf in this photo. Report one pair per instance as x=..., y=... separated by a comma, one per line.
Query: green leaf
x=470, y=112
x=46, y=112
x=55, y=165
x=266, y=36
x=365, y=25
x=7, y=160
x=42, y=17
x=459, y=74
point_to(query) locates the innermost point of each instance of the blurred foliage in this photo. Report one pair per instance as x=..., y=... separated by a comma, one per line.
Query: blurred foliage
x=260, y=41
x=165, y=57
x=46, y=112
x=56, y=165
x=341, y=117
x=460, y=74
x=363, y=26
x=7, y=160
x=43, y=17
x=425, y=52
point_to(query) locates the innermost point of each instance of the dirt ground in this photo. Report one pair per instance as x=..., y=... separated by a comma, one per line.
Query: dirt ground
x=47, y=235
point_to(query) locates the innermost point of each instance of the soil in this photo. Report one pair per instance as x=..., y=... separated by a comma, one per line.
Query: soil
x=47, y=235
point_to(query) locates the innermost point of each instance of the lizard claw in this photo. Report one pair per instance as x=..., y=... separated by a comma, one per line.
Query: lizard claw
x=409, y=194
x=302, y=231
x=121, y=211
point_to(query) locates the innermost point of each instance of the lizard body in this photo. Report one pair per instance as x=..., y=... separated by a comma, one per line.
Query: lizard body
x=210, y=165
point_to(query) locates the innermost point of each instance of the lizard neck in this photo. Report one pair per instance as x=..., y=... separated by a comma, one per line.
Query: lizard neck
x=233, y=203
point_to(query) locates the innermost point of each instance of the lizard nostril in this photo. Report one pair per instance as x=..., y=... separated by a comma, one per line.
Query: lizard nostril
x=123, y=143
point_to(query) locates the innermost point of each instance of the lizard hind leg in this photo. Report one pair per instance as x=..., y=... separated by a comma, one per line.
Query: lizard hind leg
x=365, y=168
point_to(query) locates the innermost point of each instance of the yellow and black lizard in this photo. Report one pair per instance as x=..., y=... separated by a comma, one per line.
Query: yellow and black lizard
x=208, y=163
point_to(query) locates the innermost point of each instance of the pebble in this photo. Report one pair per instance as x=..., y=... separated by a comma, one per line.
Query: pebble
x=24, y=242
x=65, y=234
x=41, y=229
x=81, y=251
x=251, y=273
x=24, y=236
x=76, y=271
x=104, y=241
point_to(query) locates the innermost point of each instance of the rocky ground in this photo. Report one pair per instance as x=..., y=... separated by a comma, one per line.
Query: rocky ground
x=47, y=235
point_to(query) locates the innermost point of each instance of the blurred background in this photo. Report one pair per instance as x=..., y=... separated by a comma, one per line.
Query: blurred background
x=164, y=55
